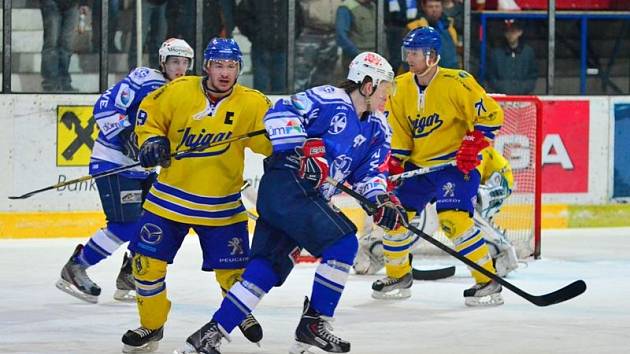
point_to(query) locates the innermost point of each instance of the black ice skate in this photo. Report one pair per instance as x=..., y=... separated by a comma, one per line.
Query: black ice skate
x=75, y=281
x=393, y=288
x=251, y=329
x=486, y=294
x=125, y=284
x=314, y=330
x=207, y=340
x=142, y=340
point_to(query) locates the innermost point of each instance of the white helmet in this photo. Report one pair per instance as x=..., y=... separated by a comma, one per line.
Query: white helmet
x=176, y=47
x=372, y=65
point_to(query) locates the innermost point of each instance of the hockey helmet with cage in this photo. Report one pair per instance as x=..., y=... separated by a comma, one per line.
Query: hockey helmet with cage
x=221, y=49
x=426, y=39
x=372, y=65
x=178, y=48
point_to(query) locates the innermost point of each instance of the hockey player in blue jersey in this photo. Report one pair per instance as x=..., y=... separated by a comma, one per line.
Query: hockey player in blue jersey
x=324, y=131
x=121, y=194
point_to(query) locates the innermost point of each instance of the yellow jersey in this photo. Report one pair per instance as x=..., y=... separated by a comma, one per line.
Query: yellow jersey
x=428, y=125
x=492, y=161
x=202, y=188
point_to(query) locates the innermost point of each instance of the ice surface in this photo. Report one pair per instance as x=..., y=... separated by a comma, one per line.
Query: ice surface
x=35, y=317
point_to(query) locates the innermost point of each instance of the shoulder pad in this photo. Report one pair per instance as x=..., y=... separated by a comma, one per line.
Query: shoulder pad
x=144, y=74
x=329, y=92
x=259, y=94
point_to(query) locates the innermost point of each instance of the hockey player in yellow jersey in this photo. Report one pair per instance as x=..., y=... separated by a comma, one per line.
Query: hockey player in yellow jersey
x=439, y=115
x=199, y=190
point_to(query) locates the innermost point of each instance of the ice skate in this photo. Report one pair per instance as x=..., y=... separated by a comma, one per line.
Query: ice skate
x=251, y=329
x=125, y=284
x=142, y=340
x=486, y=294
x=207, y=340
x=393, y=288
x=315, y=330
x=75, y=281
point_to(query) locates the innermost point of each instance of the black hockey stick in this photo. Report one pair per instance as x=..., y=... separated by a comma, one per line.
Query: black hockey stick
x=116, y=170
x=433, y=274
x=566, y=293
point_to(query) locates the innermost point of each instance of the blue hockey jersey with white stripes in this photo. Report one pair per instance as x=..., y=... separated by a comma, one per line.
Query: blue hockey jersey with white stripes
x=356, y=148
x=116, y=110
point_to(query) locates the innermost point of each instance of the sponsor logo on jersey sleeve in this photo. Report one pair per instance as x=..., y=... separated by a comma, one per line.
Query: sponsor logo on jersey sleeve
x=124, y=97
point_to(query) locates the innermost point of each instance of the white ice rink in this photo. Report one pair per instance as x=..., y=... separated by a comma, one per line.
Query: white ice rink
x=35, y=317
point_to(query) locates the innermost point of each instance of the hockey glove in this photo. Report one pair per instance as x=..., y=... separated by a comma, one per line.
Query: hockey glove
x=395, y=167
x=389, y=213
x=313, y=163
x=155, y=151
x=467, y=155
x=129, y=141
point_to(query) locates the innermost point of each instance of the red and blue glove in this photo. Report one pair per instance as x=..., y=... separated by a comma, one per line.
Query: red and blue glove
x=313, y=163
x=389, y=213
x=394, y=167
x=467, y=155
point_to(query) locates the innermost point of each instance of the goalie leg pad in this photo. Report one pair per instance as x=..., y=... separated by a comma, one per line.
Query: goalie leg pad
x=370, y=259
x=459, y=227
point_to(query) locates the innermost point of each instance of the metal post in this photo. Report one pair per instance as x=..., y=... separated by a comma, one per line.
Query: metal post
x=290, y=74
x=6, y=44
x=380, y=26
x=139, y=41
x=199, y=44
x=583, y=53
x=104, y=52
x=466, y=34
x=551, y=46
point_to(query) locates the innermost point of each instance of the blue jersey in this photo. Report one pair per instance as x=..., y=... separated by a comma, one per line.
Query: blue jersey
x=356, y=148
x=116, y=110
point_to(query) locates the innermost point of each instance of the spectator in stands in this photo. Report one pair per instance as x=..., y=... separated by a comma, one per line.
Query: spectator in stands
x=112, y=13
x=356, y=29
x=153, y=32
x=397, y=14
x=316, y=48
x=60, y=19
x=434, y=17
x=454, y=9
x=265, y=24
x=512, y=66
x=228, y=7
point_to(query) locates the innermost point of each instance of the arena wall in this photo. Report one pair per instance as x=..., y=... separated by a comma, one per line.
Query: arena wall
x=46, y=140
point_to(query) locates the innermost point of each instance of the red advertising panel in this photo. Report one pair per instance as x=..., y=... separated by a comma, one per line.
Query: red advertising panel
x=565, y=146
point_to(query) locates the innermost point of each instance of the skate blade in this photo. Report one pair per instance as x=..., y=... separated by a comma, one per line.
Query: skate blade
x=397, y=294
x=188, y=349
x=147, y=348
x=484, y=301
x=125, y=295
x=70, y=289
x=300, y=348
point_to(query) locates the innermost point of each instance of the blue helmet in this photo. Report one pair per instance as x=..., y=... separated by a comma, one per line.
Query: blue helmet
x=423, y=38
x=223, y=49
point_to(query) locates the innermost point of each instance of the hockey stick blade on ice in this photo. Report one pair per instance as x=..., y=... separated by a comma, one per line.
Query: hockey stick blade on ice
x=113, y=171
x=566, y=293
x=433, y=274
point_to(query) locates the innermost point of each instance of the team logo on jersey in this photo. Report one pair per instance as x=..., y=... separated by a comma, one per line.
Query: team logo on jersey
x=151, y=234
x=192, y=140
x=141, y=73
x=236, y=244
x=124, y=97
x=449, y=190
x=426, y=125
x=358, y=140
x=338, y=123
